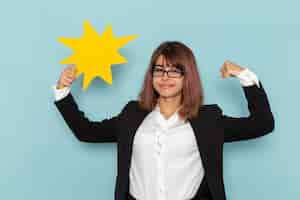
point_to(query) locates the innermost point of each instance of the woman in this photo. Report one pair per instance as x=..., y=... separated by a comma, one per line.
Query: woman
x=169, y=143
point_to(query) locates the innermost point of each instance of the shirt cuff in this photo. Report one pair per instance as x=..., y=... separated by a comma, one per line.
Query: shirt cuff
x=60, y=93
x=248, y=78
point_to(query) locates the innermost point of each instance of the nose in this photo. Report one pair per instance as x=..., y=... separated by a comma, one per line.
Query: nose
x=165, y=75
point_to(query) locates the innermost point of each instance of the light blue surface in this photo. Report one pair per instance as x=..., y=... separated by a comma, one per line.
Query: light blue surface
x=42, y=160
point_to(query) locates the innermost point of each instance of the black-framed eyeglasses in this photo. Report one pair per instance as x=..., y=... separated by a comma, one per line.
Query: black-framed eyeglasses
x=176, y=72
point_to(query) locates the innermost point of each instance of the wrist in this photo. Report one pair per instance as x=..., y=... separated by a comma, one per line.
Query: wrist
x=59, y=86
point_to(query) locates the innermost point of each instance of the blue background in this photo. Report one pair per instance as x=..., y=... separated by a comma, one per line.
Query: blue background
x=40, y=157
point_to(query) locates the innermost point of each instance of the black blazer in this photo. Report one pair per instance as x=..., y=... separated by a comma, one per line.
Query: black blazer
x=212, y=128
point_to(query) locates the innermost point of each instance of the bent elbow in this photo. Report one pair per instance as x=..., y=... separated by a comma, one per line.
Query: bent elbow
x=86, y=138
x=271, y=124
x=268, y=126
x=80, y=137
x=81, y=134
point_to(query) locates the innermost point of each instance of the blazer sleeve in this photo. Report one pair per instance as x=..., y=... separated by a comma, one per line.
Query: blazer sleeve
x=84, y=129
x=259, y=122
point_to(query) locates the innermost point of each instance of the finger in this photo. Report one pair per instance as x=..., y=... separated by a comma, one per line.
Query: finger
x=228, y=62
x=68, y=79
x=69, y=70
x=223, y=68
x=66, y=83
x=71, y=78
x=227, y=70
x=73, y=69
x=227, y=74
x=222, y=72
x=70, y=74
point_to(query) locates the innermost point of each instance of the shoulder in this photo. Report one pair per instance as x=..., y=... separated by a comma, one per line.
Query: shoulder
x=210, y=108
x=131, y=105
x=207, y=107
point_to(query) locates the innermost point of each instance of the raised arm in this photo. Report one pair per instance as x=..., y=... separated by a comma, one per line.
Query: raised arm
x=259, y=122
x=84, y=129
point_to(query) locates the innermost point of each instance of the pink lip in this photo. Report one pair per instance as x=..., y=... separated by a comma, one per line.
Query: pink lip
x=165, y=86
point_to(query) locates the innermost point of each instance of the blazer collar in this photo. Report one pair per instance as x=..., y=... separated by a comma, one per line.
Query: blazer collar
x=199, y=124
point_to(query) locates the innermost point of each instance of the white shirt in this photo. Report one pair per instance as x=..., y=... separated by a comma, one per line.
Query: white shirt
x=166, y=163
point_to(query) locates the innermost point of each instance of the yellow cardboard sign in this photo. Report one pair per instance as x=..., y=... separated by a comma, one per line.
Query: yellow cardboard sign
x=94, y=54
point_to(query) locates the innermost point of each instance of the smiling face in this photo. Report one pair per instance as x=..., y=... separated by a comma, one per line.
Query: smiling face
x=165, y=86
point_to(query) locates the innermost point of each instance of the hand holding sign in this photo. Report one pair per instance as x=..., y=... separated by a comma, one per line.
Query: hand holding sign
x=67, y=77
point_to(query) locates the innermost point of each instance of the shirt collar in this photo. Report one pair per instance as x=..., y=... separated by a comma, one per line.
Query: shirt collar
x=172, y=121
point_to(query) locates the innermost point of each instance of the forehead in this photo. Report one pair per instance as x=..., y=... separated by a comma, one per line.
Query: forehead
x=162, y=61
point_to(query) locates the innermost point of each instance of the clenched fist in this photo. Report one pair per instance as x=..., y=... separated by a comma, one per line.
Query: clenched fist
x=230, y=69
x=67, y=77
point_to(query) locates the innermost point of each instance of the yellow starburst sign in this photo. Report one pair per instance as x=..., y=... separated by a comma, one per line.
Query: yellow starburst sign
x=94, y=54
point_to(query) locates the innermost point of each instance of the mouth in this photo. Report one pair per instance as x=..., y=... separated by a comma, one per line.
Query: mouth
x=166, y=86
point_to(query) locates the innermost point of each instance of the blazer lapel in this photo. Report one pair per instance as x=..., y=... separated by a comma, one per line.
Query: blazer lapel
x=209, y=146
x=200, y=126
x=135, y=119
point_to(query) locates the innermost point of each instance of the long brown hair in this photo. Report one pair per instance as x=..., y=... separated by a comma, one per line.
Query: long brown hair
x=176, y=54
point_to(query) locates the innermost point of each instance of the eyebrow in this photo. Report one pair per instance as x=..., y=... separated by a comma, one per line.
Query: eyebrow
x=158, y=65
x=172, y=67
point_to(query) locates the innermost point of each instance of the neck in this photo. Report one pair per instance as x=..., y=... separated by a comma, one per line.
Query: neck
x=168, y=105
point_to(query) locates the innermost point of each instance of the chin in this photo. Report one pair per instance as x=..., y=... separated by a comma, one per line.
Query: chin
x=168, y=94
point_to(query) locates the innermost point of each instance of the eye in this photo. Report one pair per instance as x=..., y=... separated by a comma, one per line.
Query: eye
x=175, y=71
x=158, y=70
x=180, y=67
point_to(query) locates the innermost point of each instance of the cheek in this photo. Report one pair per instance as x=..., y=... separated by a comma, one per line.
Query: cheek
x=156, y=81
x=155, y=84
x=179, y=84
